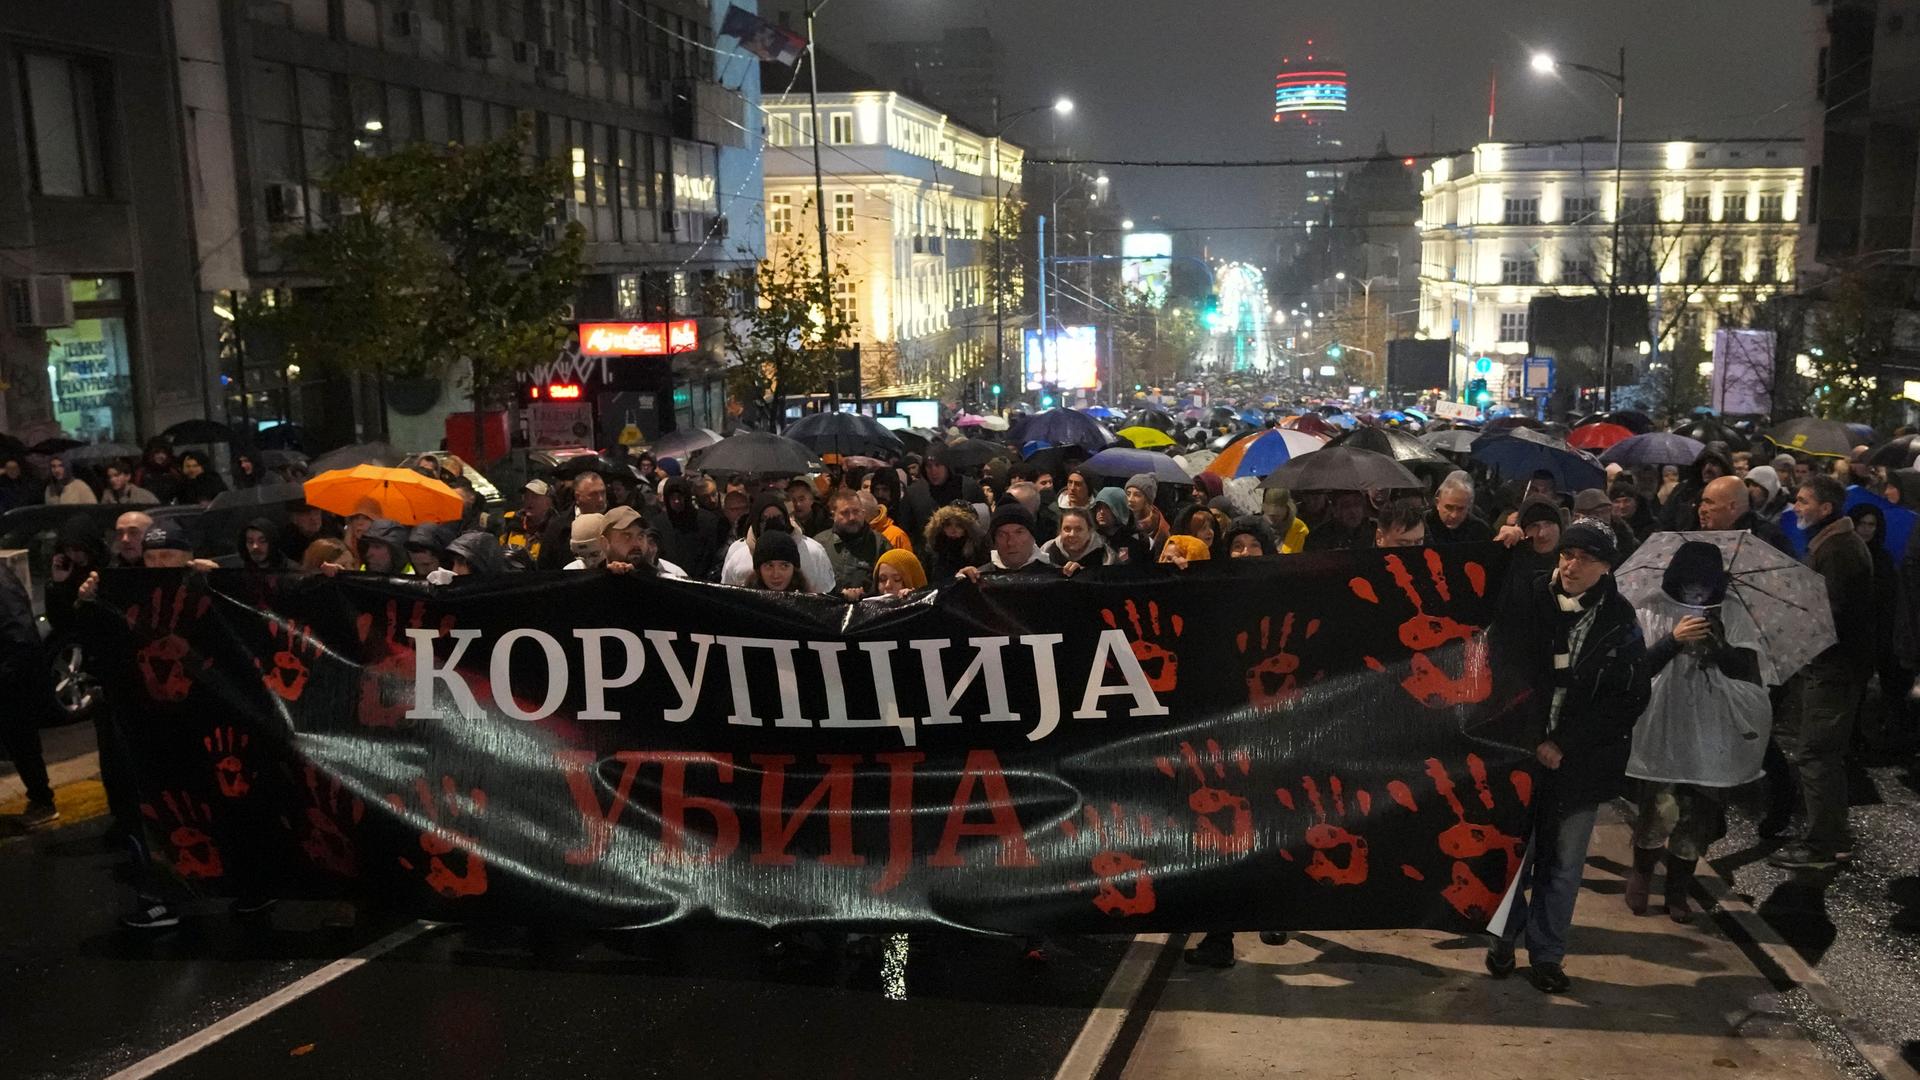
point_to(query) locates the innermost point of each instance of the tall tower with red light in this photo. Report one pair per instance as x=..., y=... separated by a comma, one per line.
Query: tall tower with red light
x=1309, y=111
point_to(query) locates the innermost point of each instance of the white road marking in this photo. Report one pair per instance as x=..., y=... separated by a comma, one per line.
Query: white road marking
x=1089, y=1049
x=286, y=995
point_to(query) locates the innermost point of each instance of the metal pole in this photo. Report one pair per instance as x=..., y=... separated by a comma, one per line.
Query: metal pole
x=999, y=268
x=1613, y=278
x=819, y=199
x=1045, y=353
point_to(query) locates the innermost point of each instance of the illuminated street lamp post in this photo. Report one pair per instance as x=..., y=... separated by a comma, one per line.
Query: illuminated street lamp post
x=1061, y=107
x=1616, y=81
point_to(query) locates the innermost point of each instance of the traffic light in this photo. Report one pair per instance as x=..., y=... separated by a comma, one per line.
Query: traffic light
x=1477, y=393
x=996, y=391
x=1334, y=352
x=1210, y=311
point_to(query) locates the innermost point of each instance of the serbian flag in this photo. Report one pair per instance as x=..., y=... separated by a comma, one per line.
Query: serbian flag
x=762, y=38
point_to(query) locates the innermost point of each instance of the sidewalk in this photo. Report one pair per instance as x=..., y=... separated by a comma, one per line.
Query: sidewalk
x=1650, y=998
x=73, y=767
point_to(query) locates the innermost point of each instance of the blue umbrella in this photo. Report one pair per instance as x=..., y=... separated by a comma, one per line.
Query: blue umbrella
x=1900, y=523
x=1249, y=416
x=1123, y=462
x=1028, y=449
x=1655, y=448
x=1063, y=426
x=1099, y=412
x=1343, y=420
x=1521, y=452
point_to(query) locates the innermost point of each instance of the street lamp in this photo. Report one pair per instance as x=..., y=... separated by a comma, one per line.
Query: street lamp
x=1544, y=63
x=1126, y=224
x=1061, y=106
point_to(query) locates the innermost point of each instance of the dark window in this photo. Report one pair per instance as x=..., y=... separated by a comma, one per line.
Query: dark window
x=64, y=95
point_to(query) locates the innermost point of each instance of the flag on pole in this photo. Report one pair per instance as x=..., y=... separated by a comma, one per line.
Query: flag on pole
x=762, y=38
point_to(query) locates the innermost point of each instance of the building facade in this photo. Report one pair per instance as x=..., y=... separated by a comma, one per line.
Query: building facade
x=633, y=96
x=1309, y=116
x=99, y=339
x=1707, y=228
x=910, y=197
x=1863, y=152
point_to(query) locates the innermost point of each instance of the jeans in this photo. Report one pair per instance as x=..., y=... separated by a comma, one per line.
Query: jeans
x=1550, y=882
x=1818, y=715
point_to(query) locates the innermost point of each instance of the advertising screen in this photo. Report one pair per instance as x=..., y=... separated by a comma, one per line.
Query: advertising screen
x=1147, y=261
x=1067, y=358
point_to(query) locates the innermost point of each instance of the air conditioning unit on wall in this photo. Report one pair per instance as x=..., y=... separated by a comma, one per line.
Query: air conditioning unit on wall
x=41, y=300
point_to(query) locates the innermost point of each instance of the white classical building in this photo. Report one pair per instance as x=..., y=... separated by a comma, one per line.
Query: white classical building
x=1707, y=228
x=910, y=198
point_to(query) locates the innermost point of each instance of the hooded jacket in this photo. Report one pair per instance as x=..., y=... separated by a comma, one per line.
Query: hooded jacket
x=945, y=557
x=1125, y=544
x=690, y=537
x=265, y=527
x=737, y=566
x=394, y=536
x=481, y=552
x=1095, y=555
x=1255, y=526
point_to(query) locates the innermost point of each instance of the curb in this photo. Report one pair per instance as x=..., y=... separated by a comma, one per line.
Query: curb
x=1786, y=968
x=59, y=774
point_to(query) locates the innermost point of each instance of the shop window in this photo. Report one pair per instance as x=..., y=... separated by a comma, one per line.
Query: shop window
x=89, y=365
x=64, y=96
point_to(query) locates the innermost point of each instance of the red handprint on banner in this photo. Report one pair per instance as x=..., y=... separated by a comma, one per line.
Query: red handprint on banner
x=1207, y=800
x=330, y=811
x=1272, y=671
x=293, y=659
x=386, y=682
x=1149, y=642
x=1423, y=632
x=1117, y=869
x=187, y=821
x=440, y=842
x=1466, y=840
x=164, y=655
x=1339, y=854
x=226, y=746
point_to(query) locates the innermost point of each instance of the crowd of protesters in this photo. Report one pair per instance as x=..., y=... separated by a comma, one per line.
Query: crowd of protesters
x=1626, y=714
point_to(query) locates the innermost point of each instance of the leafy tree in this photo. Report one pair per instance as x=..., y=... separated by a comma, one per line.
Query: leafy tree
x=789, y=340
x=1851, y=343
x=443, y=260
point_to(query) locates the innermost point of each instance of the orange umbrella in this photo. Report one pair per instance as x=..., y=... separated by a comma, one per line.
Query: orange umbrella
x=401, y=495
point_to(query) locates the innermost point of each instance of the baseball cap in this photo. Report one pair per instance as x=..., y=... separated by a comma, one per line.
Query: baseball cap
x=538, y=487
x=587, y=528
x=618, y=518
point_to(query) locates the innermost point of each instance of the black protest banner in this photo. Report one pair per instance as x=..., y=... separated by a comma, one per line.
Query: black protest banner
x=1308, y=742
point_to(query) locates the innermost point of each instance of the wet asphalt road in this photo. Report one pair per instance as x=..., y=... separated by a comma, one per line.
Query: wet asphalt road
x=1860, y=927
x=84, y=998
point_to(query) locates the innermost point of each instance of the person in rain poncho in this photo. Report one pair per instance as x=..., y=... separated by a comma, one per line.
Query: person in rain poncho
x=1705, y=728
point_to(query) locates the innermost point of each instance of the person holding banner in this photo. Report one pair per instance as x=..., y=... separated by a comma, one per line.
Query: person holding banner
x=1581, y=638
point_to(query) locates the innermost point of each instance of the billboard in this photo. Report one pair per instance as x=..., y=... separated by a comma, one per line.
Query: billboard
x=1147, y=264
x=1743, y=372
x=639, y=339
x=1067, y=358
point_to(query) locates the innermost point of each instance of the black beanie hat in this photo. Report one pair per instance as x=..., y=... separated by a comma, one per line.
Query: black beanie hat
x=1538, y=510
x=1592, y=537
x=1011, y=513
x=776, y=547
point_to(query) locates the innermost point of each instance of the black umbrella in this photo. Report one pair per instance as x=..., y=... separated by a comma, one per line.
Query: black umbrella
x=596, y=463
x=58, y=444
x=1401, y=446
x=1341, y=468
x=972, y=453
x=198, y=431
x=756, y=453
x=914, y=440
x=11, y=445
x=1153, y=418
x=1898, y=454
x=106, y=451
x=844, y=434
x=373, y=453
x=258, y=496
x=1705, y=429
x=1653, y=448
x=1810, y=435
x=1632, y=419
x=280, y=459
x=1523, y=451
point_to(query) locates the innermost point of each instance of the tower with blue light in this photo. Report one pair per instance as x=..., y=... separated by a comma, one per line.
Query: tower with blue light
x=1310, y=96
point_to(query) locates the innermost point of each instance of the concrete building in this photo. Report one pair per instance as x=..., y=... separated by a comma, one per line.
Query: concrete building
x=99, y=339
x=957, y=73
x=634, y=96
x=1706, y=227
x=1309, y=117
x=1863, y=151
x=910, y=197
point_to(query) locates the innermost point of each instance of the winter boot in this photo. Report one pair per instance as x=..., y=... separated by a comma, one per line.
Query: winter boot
x=1640, y=878
x=1680, y=888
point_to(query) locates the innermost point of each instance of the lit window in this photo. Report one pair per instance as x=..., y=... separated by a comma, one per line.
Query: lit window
x=780, y=215
x=846, y=302
x=840, y=129
x=842, y=212
x=1513, y=326
x=1522, y=212
x=1519, y=271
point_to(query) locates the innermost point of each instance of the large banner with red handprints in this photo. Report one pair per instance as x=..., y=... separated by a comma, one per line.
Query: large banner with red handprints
x=1309, y=742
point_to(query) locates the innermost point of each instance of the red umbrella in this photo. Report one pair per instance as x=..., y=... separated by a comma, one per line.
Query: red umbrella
x=1597, y=437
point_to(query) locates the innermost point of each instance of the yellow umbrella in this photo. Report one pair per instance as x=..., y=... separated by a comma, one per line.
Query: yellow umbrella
x=401, y=495
x=1146, y=438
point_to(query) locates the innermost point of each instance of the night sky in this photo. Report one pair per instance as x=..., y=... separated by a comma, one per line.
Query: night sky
x=1194, y=78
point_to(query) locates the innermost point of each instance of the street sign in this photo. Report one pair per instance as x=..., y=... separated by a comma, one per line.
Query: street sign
x=1536, y=378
